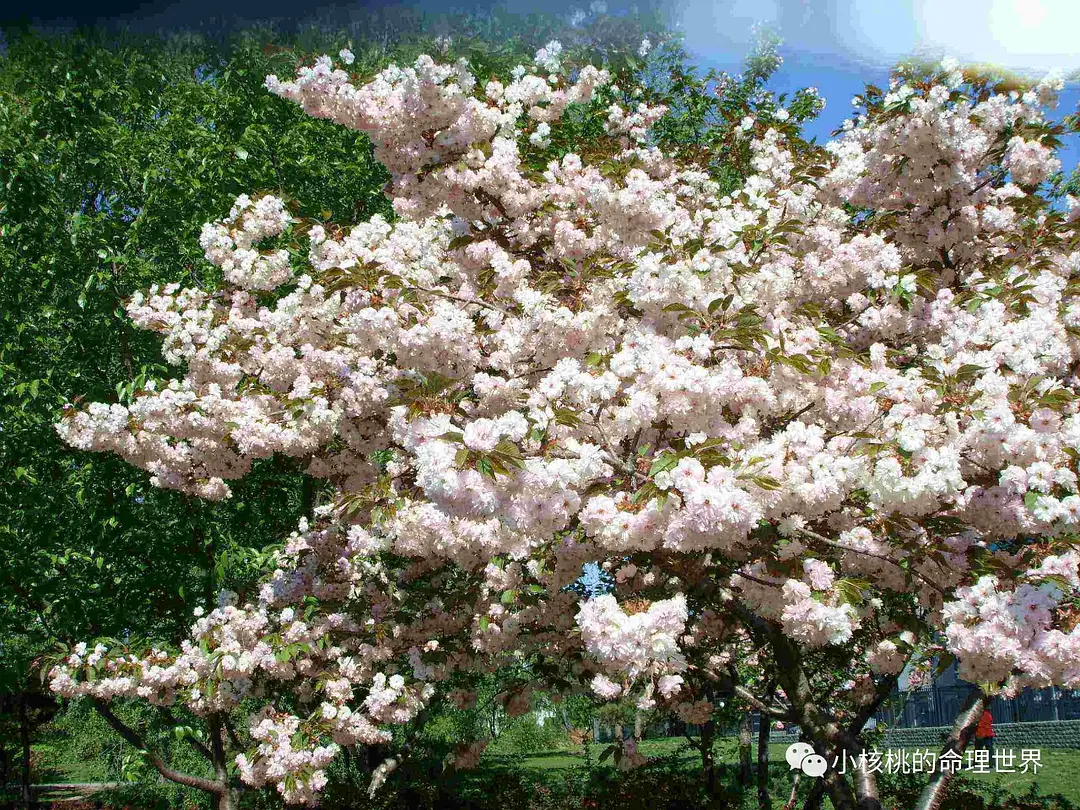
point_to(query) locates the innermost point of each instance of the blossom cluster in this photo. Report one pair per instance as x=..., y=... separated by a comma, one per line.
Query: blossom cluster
x=633, y=644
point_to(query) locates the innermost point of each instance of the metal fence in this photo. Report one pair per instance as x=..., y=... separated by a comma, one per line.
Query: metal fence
x=918, y=708
x=939, y=706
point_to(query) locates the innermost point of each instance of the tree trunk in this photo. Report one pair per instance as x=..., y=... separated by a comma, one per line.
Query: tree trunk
x=765, y=729
x=840, y=793
x=24, y=741
x=387, y=767
x=638, y=726
x=794, y=791
x=5, y=759
x=133, y=739
x=228, y=799
x=309, y=494
x=963, y=730
x=866, y=791
x=817, y=793
x=708, y=764
x=746, y=732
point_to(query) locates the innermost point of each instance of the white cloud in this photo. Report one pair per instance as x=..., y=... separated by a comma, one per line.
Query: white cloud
x=1022, y=34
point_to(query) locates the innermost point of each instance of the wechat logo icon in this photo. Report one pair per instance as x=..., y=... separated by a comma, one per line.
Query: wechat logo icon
x=801, y=756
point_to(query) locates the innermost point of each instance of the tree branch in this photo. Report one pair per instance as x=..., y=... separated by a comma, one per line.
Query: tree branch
x=233, y=738
x=132, y=738
x=764, y=731
x=391, y=764
x=761, y=705
x=461, y=299
x=833, y=544
x=198, y=746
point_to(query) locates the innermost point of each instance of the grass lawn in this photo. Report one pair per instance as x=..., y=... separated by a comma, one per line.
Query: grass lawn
x=53, y=763
x=1059, y=773
x=1059, y=770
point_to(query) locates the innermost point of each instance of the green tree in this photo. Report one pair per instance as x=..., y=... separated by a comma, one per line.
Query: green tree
x=113, y=152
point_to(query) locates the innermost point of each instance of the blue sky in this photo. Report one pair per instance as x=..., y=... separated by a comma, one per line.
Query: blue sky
x=840, y=45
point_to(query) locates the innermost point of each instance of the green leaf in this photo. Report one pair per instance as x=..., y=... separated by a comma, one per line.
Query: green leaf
x=944, y=661
x=829, y=334
x=851, y=590
x=645, y=492
x=721, y=303
x=663, y=462
x=766, y=482
x=566, y=416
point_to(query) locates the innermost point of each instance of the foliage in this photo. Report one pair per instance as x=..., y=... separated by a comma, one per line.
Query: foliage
x=112, y=155
x=113, y=151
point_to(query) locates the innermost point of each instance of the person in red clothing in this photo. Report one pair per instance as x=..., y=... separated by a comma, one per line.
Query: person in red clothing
x=984, y=732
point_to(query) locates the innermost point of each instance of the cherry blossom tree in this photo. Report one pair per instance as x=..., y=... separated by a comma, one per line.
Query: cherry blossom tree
x=822, y=427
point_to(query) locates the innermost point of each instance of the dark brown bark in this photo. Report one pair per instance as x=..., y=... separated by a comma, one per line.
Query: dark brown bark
x=839, y=790
x=201, y=749
x=309, y=494
x=829, y=738
x=866, y=790
x=228, y=799
x=708, y=760
x=764, y=800
x=386, y=768
x=790, y=804
x=5, y=764
x=813, y=799
x=824, y=732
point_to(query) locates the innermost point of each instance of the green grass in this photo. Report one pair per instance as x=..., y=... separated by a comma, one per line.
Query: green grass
x=1059, y=772
x=54, y=763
